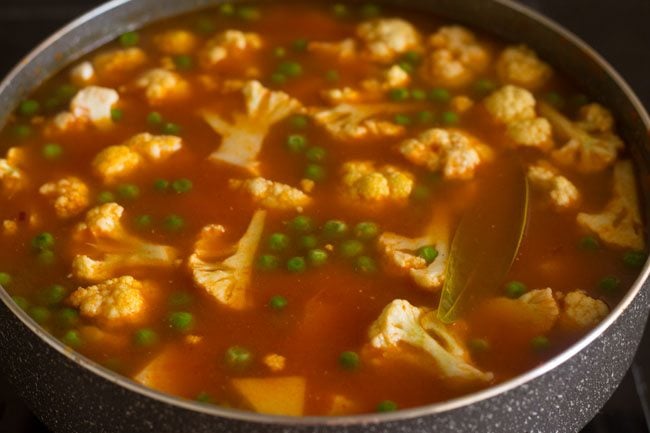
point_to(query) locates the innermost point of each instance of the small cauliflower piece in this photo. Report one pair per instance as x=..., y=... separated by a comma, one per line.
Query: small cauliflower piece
x=455, y=57
x=519, y=65
x=461, y=103
x=562, y=193
x=273, y=395
x=69, y=196
x=401, y=253
x=353, y=123
x=588, y=148
x=114, y=299
x=365, y=181
x=384, y=39
x=116, y=62
x=580, y=311
x=535, y=132
x=275, y=362
x=118, y=161
x=371, y=90
x=12, y=177
x=230, y=43
x=342, y=50
x=113, y=247
x=9, y=227
x=94, y=104
x=175, y=41
x=619, y=224
x=535, y=312
x=161, y=85
x=242, y=138
x=595, y=118
x=82, y=74
x=224, y=270
x=402, y=323
x=510, y=104
x=272, y=195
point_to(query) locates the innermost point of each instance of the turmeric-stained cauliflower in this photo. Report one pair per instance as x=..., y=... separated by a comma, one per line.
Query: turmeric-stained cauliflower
x=69, y=196
x=275, y=362
x=243, y=136
x=272, y=195
x=114, y=299
x=362, y=180
x=620, y=222
x=562, y=193
x=402, y=323
x=384, y=39
x=82, y=74
x=454, y=153
x=223, y=269
x=94, y=104
x=175, y=41
x=111, y=249
x=579, y=310
x=350, y=123
x=161, y=85
x=118, y=161
x=455, y=57
x=12, y=177
x=116, y=62
x=535, y=312
x=230, y=43
x=371, y=90
x=402, y=254
x=519, y=65
x=591, y=144
x=341, y=50
x=535, y=132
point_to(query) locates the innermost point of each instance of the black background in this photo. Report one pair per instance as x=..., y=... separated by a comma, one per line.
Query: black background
x=619, y=30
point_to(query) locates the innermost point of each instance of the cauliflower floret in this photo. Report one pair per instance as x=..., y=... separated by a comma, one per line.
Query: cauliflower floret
x=226, y=44
x=82, y=74
x=175, y=41
x=275, y=362
x=595, y=118
x=384, y=39
x=519, y=65
x=579, y=310
x=401, y=253
x=455, y=153
x=70, y=196
x=115, y=248
x=510, y=104
x=117, y=161
x=588, y=149
x=224, y=270
x=117, y=298
x=9, y=227
x=116, y=62
x=12, y=177
x=272, y=195
x=362, y=180
x=535, y=312
x=355, y=122
x=620, y=222
x=242, y=138
x=535, y=132
x=461, y=103
x=371, y=90
x=402, y=323
x=342, y=50
x=161, y=85
x=455, y=57
x=94, y=104
x=562, y=192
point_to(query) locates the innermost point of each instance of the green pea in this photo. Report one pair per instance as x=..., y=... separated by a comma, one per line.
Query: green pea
x=72, y=339
x=440, y=95
x=420, y=193
x=308, y=242
x=143, y=221
x=478, y=345
x=366, y=230
x=29, y=107
x=65, y=92
x=449, y=118
x=278, y=242
x=117, y=114
x=278, y=78
x=268, y=262
x=129, y=39
x=128, y=191
x=402, y=119
x=67, y=317
x=332, y=76
x=296, y=265
x=183, y=62
x=299, y=121
x=316, y=154
x=349, y=360
x=589, y=243
x=174, y=223
x=46, y=257
x=170, y=128
x=204, y=397
x=278, y=302
x=180, y=300
x=279, y=52
x=406, y=67
x=145, y=337
x=418, y=95
x=609, y=284
x=43, y=241
x=335, y=229
x=399, y=94
x=634, y=259
x=204, y=26
x=51, y=151
x=315, y=172
x=302, y=224
x=540, y=343
x=161, y=185
x=22, y=302
x=182, y=186
x=428, y=253
x=296, y=143
x=425, y=117
x=387, y=406
x=340, y=10
x=365, y=265
x=300, y=45
x=105, y=197
x=181, y=321
x=514, y=289
x=238, y=357
x=154, y=118
x=351, y=248
x=249, y=13
x=54, y=294
x=227, y=9
x=370, y=10
x=39, y=314
x=317, y=257
x=290, y=69
x=484, y=86
x=21, y=131
x=555, y=99
x=5, y=279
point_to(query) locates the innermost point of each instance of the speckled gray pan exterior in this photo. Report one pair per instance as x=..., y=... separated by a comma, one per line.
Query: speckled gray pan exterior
x=72, y=394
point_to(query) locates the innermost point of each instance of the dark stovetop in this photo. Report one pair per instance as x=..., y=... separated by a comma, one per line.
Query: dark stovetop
x=620, y=30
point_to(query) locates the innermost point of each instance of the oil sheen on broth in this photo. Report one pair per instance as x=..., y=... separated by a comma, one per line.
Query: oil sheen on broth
x=254, y=207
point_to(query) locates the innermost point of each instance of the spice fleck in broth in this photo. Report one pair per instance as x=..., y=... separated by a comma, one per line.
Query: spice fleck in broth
x=316, y=209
